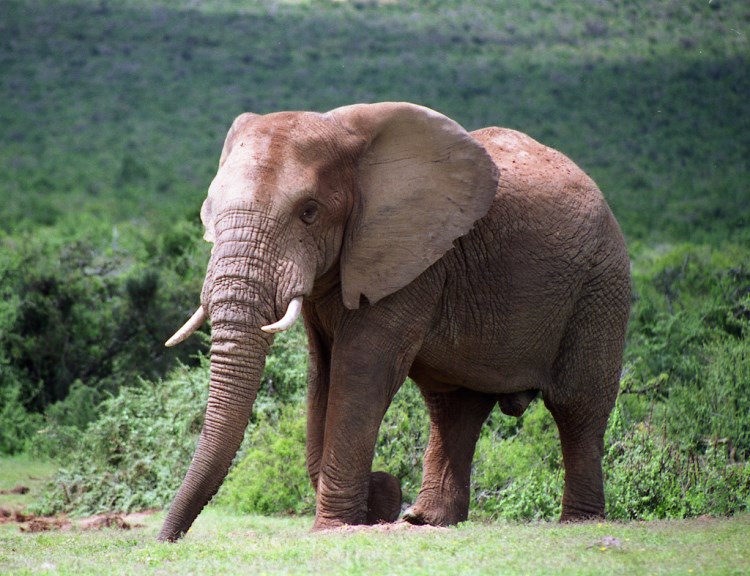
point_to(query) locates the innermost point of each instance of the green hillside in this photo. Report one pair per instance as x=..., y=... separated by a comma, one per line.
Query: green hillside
x=119, y=108
x=112, y=115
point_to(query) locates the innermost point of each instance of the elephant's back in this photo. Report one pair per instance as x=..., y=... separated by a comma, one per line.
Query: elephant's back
x=530, y=168
x=545, y=205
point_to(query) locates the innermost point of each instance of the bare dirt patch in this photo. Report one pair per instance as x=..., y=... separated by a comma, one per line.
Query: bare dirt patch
x=399, y=526
x=31, y=523
x=16, y=490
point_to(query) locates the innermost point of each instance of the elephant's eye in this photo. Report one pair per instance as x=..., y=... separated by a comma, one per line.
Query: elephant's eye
x=309, y=212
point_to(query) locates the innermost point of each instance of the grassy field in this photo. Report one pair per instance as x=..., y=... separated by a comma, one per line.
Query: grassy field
x=22, y=470
x=226, y=544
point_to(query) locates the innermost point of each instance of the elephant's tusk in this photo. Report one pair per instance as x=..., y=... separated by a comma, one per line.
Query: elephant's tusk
x=195, y=322
x=292, y=313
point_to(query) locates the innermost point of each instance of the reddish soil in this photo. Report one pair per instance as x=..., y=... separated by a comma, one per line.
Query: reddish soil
x=31, y=523
x=16, y=490
x=399, y=526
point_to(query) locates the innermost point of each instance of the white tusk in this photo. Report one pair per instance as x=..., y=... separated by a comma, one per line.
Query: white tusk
x=195, y=322
x=292, y=313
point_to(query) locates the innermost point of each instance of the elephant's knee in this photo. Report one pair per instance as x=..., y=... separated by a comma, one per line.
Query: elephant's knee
x=384, y=498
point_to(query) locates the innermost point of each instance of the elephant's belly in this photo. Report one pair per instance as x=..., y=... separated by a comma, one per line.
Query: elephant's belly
x=450, y=373
x=499, y=356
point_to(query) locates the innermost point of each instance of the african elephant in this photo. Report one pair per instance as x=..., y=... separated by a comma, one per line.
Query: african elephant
x=484, y=265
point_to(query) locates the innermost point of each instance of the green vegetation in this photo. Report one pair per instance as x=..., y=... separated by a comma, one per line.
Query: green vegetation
x=21, y=479
x=120, y=108
x=85, y=311
x=134, y=455
x=111, y=121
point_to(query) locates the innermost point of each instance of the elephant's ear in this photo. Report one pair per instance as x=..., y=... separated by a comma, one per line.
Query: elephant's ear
x=207, y=216
x=424, y=181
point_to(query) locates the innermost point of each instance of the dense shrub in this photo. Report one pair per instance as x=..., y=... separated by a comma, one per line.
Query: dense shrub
x=85, y=313
x=271, y=477
x=285, y=375
x=16, y=425
x=713, y=406
x=402, y=440
x=647, y=477
x=135, y=455
x=688, y=344
x=517, y=467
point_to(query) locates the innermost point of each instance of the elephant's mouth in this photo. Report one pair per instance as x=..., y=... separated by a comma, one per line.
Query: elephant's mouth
x=289, y=318
x=200, y=316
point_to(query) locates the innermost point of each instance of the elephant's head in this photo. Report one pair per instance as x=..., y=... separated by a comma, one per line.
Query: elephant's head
x=370, y=194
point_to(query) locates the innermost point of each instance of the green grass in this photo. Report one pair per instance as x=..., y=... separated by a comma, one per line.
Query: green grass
x=226, y=544
x=222, y=542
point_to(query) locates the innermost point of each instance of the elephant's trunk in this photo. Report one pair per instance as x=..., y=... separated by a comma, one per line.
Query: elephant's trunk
x=240, y=296
x=236, y=299
x=237, y=362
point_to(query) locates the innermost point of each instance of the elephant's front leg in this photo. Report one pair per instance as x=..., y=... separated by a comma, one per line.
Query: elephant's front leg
x=362, y=384
x=318, y=373
x=455, y=422
x=384, y=490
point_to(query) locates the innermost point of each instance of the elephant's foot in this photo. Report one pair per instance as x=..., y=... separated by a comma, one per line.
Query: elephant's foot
x=435, y=514
x=383, y=506
x=414, y=516
x=581, y=513
x=383, y=499
x=579, y=517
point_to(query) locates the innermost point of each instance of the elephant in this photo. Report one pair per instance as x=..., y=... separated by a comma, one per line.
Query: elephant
x=483, y=265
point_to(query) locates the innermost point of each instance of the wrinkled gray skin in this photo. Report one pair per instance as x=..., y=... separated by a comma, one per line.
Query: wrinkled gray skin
x=486, y=266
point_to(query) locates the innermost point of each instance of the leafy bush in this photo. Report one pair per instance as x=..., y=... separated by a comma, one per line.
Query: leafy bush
x=80, y=316
x=135, y=455
x=79, y=407
x=16, y=425
x=271, y=477
x=402, y=439
x=285, y=375
x=517, y=467
x=713, y=406
x=649, y=477
x=687, y=345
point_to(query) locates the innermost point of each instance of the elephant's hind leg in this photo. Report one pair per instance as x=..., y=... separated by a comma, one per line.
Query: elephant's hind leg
x=582, y=441
x=455, y=421
x=586, y=380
